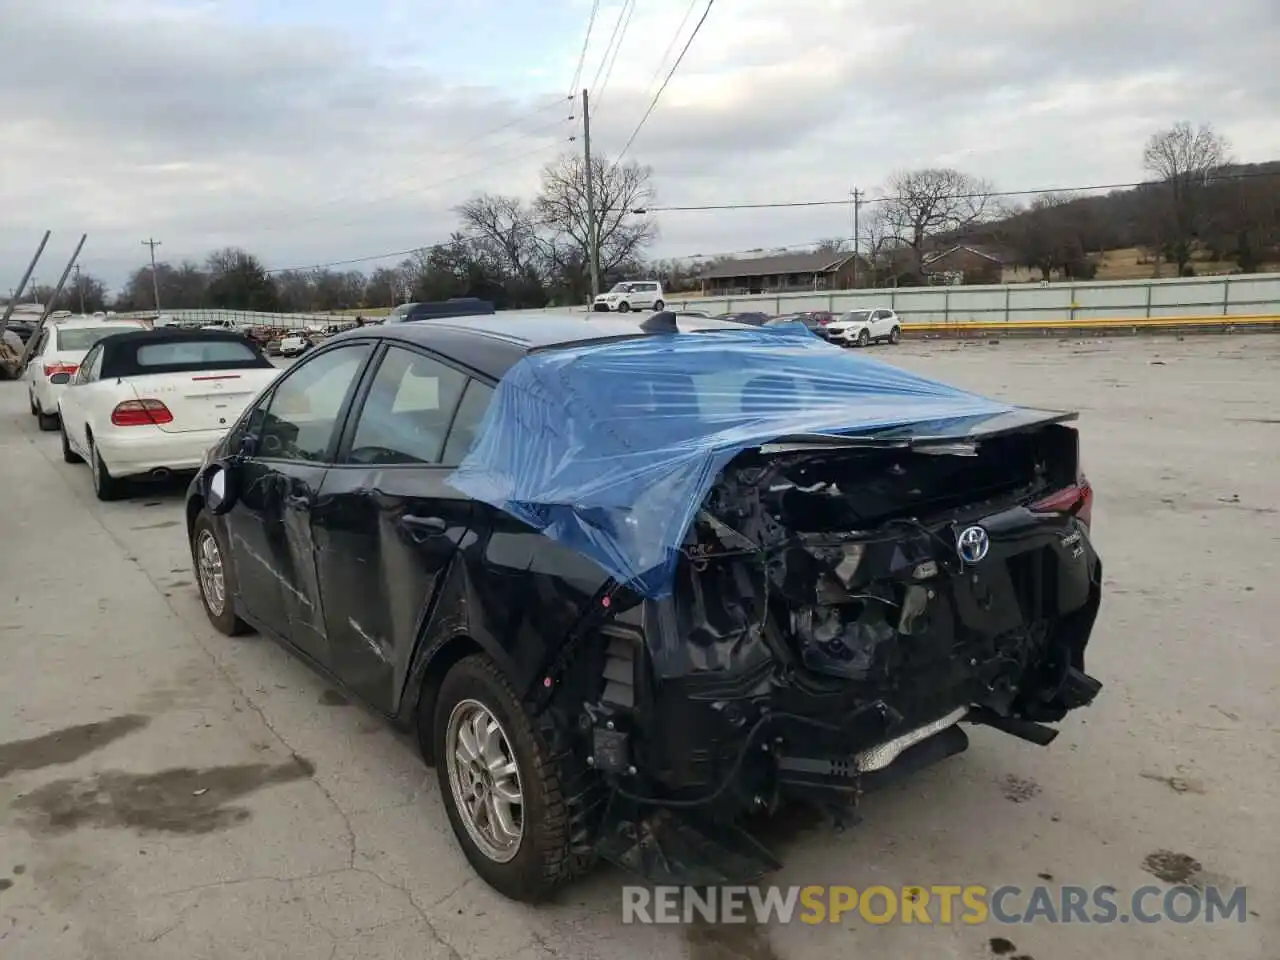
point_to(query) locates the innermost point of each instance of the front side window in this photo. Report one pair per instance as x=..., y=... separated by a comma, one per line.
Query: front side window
x=406, y=415
x=90, y=366
x=302, y=412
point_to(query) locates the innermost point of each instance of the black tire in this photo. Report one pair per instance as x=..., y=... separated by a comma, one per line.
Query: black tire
x=105, y=486
x=35, y=411
x=48, y=422
x=658, y=306
x=864, y=337
x=624, y=307
x=68, y=455
x=224, y=620
x=895, y=335
x=542, y=860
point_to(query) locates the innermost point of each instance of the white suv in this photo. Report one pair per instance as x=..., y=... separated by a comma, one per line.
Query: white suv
x=631, y=295
x=861, y=327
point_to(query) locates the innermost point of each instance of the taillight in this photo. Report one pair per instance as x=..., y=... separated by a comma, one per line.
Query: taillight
x=141, y=413
x=53, y=369
x=1076, y=499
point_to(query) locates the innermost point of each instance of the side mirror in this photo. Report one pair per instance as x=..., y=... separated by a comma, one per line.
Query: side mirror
x=221, y=491
x=60, y=378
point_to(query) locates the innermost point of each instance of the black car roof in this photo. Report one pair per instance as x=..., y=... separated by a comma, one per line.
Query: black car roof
x=120, y=350
x=491, y=344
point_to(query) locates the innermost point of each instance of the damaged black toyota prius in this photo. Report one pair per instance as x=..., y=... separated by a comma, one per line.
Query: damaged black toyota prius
x=634, y=584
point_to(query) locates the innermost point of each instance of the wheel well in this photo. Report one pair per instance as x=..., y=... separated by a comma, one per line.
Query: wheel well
x=441, y=662
x=194, y=506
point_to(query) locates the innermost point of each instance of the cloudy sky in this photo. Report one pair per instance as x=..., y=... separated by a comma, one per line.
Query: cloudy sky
x=312, y=131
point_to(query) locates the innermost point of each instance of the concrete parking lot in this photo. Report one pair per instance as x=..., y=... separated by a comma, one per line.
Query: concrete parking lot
x=168, y=792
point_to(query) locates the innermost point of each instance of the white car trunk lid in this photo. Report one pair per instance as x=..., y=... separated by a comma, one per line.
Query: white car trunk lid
x=202, y=399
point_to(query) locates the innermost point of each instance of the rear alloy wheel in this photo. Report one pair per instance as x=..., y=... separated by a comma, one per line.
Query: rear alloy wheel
x=68, y=455
x=895, y=335
x=500, y=786
x=658, y=306
x=864, y=337
x=215, y=577
x=105, y=485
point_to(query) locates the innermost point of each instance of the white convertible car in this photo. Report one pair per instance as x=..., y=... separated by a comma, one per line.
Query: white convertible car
x=148, y=404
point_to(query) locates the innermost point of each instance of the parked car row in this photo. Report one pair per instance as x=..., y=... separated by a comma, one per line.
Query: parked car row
x=856, y=328
x=135, y=402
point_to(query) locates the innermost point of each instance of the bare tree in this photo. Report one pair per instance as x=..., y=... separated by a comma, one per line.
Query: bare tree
x=920, y=204
x=561, y=206
x=509, y=227
x=1184, y=159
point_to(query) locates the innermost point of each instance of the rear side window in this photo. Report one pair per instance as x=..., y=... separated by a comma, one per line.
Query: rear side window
x=195, y=353
x=406, y=415
x=466, y=423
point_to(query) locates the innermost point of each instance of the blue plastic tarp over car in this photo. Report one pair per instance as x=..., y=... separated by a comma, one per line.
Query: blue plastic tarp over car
x=611, y=447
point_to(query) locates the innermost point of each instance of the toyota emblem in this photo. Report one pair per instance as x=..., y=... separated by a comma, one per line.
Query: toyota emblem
x=973, y=544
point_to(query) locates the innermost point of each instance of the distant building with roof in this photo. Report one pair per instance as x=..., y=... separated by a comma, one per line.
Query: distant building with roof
x=781, y=273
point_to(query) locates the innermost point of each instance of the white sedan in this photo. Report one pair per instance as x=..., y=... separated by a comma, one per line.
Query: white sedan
x=862, y=327
x=151, y=403
x=59, y=348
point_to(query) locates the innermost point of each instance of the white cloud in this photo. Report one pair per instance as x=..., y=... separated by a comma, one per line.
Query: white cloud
x=320, y=133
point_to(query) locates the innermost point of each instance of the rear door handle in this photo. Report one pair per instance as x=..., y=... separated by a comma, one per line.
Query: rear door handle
x=423, y=526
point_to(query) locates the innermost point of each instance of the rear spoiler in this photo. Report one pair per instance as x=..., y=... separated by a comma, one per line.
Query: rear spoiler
x=965, y=430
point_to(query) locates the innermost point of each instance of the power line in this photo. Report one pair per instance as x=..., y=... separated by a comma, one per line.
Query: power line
x=609, y=47
x=376, y=256
x=630, y=7
x=1223, y=178
x=674, y=67
x=292, y=223
x=688, y=12
x=582, y=57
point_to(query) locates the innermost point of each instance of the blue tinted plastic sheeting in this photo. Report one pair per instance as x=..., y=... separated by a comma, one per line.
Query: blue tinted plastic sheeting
x=610, y=448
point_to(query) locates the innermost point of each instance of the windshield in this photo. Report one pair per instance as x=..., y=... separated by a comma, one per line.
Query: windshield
x=856, y=316
x=621, y=288
x=82, y=338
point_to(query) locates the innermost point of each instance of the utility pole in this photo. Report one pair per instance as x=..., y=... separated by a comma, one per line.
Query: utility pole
x=857, y=207
x=593, y=231
x=16, y=295
x=57, y=291
x=48, y=307
x=80, y=289
x=155, y=281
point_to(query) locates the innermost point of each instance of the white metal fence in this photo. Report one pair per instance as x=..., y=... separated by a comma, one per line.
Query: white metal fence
x=1241, y=295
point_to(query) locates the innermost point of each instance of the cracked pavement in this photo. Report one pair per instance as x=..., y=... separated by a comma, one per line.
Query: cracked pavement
x=169, y=792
